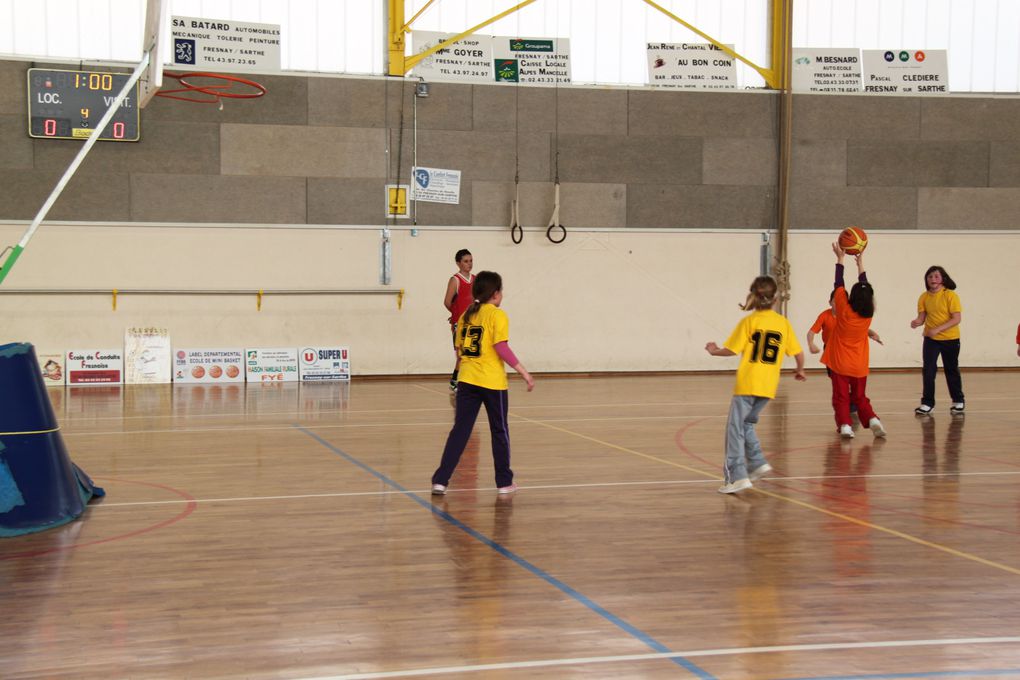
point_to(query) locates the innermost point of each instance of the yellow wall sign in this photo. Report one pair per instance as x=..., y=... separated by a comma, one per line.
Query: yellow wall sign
x=396, y=200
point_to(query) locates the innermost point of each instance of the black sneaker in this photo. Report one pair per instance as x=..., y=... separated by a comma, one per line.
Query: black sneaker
x=925, y=410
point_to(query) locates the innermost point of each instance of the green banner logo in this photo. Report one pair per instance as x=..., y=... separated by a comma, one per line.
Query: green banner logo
x=522, y=45
x=507, y=71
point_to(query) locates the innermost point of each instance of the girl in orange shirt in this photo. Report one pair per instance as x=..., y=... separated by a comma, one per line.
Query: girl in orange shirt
x=846, y=354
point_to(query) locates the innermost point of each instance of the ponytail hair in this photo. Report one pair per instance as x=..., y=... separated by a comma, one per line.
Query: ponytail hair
x=862, y=299
x=762, y=294
x=485, y=286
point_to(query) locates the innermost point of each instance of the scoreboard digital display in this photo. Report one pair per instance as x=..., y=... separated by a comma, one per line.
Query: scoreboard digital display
x=69, y=105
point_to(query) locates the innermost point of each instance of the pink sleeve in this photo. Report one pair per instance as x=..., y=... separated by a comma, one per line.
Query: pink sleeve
x=505, y=353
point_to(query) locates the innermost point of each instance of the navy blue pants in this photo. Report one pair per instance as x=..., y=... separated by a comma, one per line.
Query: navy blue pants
x=469, y=400
x=950, y=352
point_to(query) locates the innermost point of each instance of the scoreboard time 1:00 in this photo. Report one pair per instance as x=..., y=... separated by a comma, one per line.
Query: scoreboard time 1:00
x=69, y=105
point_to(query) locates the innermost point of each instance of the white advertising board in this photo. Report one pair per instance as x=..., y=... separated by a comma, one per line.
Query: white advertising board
x=435, y=185
x=469, y=60
x=219, y=45
x=827, y=70
x=146, y=356
x=695, y=66
x=914, y=72
x=532, y=61
x=95, y=367
x=209, y=366
x=271, y=365
x=52, y=368
x=325, y=363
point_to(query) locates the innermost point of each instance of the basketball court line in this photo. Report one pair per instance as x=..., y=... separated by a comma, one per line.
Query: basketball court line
x=523, y=407
x=447, y=423
x=728, y=651
x=542, y=487
x=847, y=518
x=556, y=583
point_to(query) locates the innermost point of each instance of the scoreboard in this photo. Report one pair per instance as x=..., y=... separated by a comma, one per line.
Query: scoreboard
x=69, y=105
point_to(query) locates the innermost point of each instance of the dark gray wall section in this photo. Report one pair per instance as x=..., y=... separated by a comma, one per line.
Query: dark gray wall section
x=319, y=150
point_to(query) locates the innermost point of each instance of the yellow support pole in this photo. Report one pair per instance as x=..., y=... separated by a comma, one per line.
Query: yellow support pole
x=258, y=301
x=396, y=36
x=400, y=299
x=115, y=299
x=782, y=11
x=401, y=64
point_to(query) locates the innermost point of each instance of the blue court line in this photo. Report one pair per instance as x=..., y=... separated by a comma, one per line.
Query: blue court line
x=919, y=674
x=520, y=561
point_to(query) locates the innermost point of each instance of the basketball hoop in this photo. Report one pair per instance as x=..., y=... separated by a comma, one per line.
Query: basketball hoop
x=214, y=91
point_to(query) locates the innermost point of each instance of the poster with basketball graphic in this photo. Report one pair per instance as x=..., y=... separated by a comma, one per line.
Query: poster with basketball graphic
x=209, y=366
x=325, y=363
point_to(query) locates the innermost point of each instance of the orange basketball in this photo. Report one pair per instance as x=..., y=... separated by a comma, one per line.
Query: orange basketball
x=853, y=240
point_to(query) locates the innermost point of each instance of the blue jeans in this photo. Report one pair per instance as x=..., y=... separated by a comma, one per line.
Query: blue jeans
x=743, y=450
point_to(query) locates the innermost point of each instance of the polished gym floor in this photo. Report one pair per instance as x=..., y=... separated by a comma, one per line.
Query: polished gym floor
x=287, y=531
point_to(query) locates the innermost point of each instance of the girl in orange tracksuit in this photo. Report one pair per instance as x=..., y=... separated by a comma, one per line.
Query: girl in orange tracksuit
x=846, y=354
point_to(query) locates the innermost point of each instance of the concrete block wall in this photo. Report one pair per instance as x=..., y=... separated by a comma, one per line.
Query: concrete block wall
x=318, y=150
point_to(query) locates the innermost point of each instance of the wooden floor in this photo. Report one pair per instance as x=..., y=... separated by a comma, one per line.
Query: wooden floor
x=288, y=532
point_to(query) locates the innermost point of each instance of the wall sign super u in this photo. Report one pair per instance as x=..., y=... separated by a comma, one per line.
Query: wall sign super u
x=69, y=105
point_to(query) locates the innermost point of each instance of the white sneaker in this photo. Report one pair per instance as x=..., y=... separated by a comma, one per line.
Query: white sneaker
x=924, y=410
x=438, y=490
x=957, y=409
x=760, y=472
x=507, y=489
x=846, y=432
x=876, y=426
x=734, y=487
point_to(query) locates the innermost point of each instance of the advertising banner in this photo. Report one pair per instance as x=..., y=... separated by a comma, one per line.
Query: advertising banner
x=52, y=368
x=532, y=61
x=914, y=72
x=219, y=45
x=325, y=363
x=95, y=367
x=209, y=366
x=695, y=66
x=827, y=70
x=146, y=356
x=469, y=60
x=271, y=365
x=435, y=185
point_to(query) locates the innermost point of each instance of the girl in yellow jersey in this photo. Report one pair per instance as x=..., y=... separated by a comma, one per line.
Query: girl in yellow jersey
x=762, y=339
x=482, y=336
x=939, y=311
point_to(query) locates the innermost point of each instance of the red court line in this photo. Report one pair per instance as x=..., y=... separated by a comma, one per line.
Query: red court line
x=188, y=509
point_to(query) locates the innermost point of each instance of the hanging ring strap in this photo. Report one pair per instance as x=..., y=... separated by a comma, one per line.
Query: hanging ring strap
x=554, y=221
x=516, y=230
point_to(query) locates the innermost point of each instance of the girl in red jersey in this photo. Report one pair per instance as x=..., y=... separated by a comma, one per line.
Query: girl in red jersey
x=458, y=298
x=846, y=354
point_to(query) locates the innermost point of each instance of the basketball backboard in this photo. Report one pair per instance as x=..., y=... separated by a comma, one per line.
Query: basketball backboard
x=153, y=44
